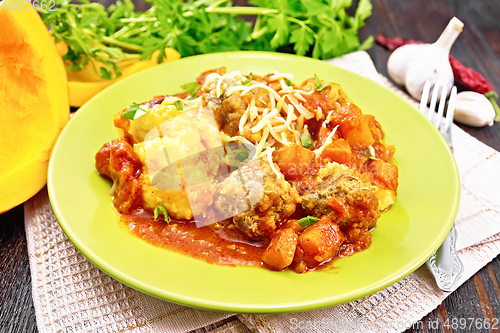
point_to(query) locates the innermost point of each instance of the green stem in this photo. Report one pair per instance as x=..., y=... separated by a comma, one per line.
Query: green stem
x=241, y=10
x=139, y=19
x=492, y=97
x=302, y=24
x=258, y=33
x=128, y=46
x=217, y=3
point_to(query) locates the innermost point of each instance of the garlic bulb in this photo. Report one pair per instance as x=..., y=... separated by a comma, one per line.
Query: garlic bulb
x=413, y=64
x=474, y=109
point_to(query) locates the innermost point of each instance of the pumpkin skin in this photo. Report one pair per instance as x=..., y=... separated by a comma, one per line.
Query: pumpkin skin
x=34, y=104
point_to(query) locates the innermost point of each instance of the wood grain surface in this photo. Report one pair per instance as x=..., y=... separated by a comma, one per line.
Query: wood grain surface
x=477, y=47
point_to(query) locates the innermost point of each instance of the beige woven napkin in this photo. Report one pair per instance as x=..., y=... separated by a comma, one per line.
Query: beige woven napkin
x=71, y=295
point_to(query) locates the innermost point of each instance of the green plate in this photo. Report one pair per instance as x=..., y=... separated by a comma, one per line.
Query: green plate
x=405, y=236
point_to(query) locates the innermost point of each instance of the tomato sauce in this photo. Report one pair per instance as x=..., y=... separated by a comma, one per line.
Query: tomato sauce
x=219, y=243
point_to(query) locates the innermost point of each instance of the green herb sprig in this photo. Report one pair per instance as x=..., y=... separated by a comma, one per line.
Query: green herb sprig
x=319, y=86
x=306, y=140
x=192, y=88
x=101, y=37
x=248, y=79
x=161, y=209
x=308, y=220
x=131, y=112
x=178, y=105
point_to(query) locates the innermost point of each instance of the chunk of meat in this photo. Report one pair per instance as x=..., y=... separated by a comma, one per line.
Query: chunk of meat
x=118, y=161
x=280, y=252
x=320, y=241
x=341, y=194
x=271, y=199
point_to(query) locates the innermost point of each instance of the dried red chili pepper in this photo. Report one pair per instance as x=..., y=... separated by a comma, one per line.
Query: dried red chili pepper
x=393, y=43
x=466, y=76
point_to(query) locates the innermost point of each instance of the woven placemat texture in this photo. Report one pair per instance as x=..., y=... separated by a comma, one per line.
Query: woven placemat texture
x=70, y=294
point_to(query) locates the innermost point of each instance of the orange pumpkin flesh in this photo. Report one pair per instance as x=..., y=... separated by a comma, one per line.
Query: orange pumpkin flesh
x=34, y=104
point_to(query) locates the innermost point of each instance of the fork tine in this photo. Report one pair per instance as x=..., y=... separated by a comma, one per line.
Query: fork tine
x=432, y=107
x=442, y=102
x=425, y=97
x=451, y=109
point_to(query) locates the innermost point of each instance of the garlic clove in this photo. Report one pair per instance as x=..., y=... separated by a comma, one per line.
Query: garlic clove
x=474, y=109
x=400, y=59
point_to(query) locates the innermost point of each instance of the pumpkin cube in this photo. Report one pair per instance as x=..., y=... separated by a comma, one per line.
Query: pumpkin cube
x=279, y=254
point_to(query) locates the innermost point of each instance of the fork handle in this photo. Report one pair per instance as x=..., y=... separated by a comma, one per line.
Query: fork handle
x=445, y=264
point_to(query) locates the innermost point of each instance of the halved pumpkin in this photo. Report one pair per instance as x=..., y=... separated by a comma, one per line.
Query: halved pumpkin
x=34, y=104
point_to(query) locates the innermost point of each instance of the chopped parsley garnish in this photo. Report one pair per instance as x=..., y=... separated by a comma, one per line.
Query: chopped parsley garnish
x=308, y=220
x=161, y=209
x=372, y=158
x=248, y=80
x=288, y=82
x=241, y=155
x=319, y=86
x=132, y=110
x=306, y=141
x=237, y=154
x=192, y=88
x=178, y=105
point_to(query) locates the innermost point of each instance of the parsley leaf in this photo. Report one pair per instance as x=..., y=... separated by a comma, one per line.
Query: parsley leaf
x=248, y=80
x=319, y=86
x=191, y=87
x=363, y=11
x=101, y=39
x=241, y=155
x=178, y=105
x=288, y=82
x=303, y=39
x=105, y=74
x=306, y=141
x=308, y=220
x=161, y=209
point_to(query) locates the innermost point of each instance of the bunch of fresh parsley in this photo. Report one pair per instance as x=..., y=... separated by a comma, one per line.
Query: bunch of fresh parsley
x=318, y=28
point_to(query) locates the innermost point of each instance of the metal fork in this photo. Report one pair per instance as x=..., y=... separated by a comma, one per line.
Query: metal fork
x=444, y=264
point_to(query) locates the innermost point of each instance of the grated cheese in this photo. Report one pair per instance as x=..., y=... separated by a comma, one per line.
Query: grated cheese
x=328, y=118
x=299, y=96
x=284, y=86
x=302, y=110
x=300, y=123
x=284, y=139
x=273, y=132
x=211, y=78
x=372, y=150
x=243, y=120
x=263, y=140
x=290, y=115
x=327, y=142
x=260, y=125
x=269, y=152
x=278, y=76
x=319, y=113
